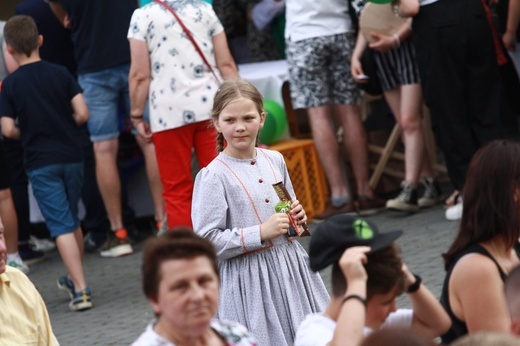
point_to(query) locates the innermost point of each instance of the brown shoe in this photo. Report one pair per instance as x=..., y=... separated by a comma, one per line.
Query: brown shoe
x=330, y=210
x=370, y=205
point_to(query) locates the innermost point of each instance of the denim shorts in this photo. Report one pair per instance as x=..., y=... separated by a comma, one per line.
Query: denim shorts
x=57, y=189
x=104, y=91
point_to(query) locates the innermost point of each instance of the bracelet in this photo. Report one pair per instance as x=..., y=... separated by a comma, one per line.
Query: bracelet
x=397, y=41
x=137, y=117
x=415, y=286
x=356, y=297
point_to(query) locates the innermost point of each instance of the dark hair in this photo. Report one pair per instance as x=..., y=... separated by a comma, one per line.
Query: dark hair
x=490, y=209
x=21, y=33
x=384, y=269
x=230, y=90
x=179, y=243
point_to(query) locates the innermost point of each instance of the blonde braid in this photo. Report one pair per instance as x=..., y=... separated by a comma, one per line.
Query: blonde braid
x=220, y=142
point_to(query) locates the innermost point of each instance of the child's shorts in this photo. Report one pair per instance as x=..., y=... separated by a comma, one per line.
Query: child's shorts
x=57, y=189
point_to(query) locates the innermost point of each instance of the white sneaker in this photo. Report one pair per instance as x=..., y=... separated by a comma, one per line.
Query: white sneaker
x=454, y=213
x=18, y=264
x=44, y=245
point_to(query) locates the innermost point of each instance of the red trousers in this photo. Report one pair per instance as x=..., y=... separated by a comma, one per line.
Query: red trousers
x=173, y=149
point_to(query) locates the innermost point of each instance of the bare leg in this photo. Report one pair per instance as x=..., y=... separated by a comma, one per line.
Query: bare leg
x=154, y=180
x=405, y=102
x=10, y=221
x=109, y=183
x=356, y=145
x=71, y=254
x=327, y=148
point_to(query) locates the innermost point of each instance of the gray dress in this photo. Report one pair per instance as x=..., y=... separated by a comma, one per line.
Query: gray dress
x=266, y=286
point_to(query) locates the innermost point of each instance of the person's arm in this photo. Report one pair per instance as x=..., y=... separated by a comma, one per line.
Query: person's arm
x=513, y=18
x=59, y=12
x=80, y=108
x=356, y=69
x=139, y=85
x=407, y=8
x=351, y=318
x=429, y=317
x=9, y=128
x=209, y=213
x=477, y=295
x=225, y=62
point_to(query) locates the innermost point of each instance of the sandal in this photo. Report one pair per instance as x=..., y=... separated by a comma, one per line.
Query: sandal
x=453, y=199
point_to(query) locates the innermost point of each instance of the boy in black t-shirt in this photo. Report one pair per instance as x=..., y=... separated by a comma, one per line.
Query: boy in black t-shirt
x=41, y=104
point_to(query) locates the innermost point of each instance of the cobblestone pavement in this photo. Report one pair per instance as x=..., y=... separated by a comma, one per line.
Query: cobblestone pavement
x=121, y=312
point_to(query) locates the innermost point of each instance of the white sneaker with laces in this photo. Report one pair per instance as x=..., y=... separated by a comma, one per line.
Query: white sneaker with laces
x=44, y=245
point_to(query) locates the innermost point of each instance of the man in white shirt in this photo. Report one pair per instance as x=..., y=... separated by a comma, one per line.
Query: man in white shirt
x=368, y=275
x=319, y=43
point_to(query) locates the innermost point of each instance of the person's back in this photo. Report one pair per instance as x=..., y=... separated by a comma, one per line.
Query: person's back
x=57, y=46
x=40, y=95
x=98, y=29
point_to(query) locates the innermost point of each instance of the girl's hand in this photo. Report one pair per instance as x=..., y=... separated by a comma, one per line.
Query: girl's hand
x=277, y=225
x=357, y=70
x=297, y=212
x=382, y=43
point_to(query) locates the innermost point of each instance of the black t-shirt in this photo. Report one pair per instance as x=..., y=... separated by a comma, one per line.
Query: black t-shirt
x=99, y=29
x=57, y=45
x=39, y=96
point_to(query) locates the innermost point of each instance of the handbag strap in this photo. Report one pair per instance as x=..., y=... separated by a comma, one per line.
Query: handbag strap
x=188, y=34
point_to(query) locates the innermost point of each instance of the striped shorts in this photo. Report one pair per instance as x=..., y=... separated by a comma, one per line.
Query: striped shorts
x=397, y=66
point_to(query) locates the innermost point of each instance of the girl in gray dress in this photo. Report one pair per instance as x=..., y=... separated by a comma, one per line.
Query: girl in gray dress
x=266, y=283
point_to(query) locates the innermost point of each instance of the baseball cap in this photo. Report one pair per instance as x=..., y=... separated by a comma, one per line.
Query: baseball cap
x=339, y=232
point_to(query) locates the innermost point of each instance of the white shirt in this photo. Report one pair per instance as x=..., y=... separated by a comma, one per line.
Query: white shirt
x=310, y=18
x=318, y=329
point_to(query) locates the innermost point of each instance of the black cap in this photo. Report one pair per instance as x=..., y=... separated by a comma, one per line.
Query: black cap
x=337, y=233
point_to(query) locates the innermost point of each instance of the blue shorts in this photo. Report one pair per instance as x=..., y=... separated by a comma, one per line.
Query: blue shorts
x=57, y=189
x=103, y=92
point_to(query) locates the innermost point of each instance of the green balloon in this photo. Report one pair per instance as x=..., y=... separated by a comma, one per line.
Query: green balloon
x=275, y=121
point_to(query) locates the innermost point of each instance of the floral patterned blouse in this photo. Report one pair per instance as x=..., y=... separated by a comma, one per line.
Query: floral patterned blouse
x=181, y=87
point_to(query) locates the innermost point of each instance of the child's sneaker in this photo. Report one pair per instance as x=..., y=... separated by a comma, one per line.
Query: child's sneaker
x=117, y=244
x=81, y=301
x=406, y=200
x=18, y=264
x=432, y=193
x=66, y=284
